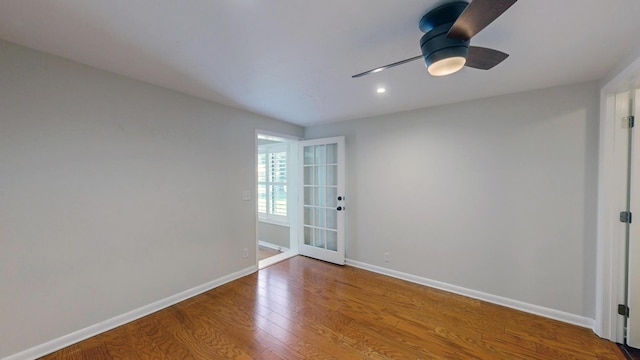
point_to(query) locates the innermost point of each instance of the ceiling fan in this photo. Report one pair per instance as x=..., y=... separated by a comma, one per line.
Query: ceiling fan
x=448, y=30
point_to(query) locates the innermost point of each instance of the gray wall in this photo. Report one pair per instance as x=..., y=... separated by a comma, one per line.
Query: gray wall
x=274, y=234
x=496, y=195
x=113, y=194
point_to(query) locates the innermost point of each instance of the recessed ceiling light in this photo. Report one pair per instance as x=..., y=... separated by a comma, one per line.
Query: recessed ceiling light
x=381, y=90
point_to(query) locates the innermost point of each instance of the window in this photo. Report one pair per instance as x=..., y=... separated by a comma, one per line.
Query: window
x=272, y=182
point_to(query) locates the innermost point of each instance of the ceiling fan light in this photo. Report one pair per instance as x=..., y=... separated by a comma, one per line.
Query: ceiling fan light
x=443, y=55
x=446, y=66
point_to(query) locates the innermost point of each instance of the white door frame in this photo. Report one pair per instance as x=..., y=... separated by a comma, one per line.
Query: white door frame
x=633, y=293
x=292, y=178
x=611, y=253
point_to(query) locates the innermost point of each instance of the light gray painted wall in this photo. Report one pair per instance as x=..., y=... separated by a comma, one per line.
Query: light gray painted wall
x=274, y=234
x=495, y=195
x=113, y=194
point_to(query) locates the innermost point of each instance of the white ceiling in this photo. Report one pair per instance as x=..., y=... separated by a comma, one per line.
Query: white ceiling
x=293, y=60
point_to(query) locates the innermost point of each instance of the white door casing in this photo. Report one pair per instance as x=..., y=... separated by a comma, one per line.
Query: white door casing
x=633, y=322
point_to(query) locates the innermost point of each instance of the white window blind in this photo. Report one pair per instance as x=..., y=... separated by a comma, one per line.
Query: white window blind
x=272, y=182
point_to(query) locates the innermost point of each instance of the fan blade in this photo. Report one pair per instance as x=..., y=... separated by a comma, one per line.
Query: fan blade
x=378, y=69
x=483, y=58
x=477, y=16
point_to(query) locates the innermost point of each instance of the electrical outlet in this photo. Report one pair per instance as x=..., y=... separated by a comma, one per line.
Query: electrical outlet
x=387, y=257
x=245, y=253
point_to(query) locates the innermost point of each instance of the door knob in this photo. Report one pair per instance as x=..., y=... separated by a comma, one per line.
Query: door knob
x=339, y=208
x=340, y=198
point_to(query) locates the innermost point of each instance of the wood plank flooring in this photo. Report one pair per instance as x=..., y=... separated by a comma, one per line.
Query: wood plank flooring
x=307, y=309
x=265, y=252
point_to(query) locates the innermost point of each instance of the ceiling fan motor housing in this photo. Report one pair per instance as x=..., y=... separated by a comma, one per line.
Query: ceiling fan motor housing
x=435, y=44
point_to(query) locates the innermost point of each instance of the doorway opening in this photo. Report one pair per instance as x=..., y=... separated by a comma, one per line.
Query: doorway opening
x=631, y=245
x=617, y=101
x=619, y=241
x=276, y=190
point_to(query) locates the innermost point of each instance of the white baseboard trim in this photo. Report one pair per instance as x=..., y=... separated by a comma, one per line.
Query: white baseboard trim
x=499, y=300
x=77, y=336
x=273, y=246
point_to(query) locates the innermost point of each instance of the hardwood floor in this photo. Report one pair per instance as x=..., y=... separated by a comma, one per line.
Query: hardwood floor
x=307, y=309
x=265, y=252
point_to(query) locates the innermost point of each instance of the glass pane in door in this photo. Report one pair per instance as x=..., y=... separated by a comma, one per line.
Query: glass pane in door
x=332, y=219
x=332, y=240
x=308, y=215
x=332, y=154
x=320, y=154
x=332, y=175
x=320, y=196
x=332, y=196
x=308, y=235
x=320, y=238
x=319, y=221
x=308, y=195
x=308, y=155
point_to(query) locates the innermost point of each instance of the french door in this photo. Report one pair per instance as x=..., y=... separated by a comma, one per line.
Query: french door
x=323, y=200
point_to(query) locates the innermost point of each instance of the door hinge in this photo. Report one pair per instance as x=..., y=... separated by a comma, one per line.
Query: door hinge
x=625, y=217
x=628, y=122
x=623, y=310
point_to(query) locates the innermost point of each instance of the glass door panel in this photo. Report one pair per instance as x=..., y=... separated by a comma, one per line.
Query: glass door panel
x=323, y=185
